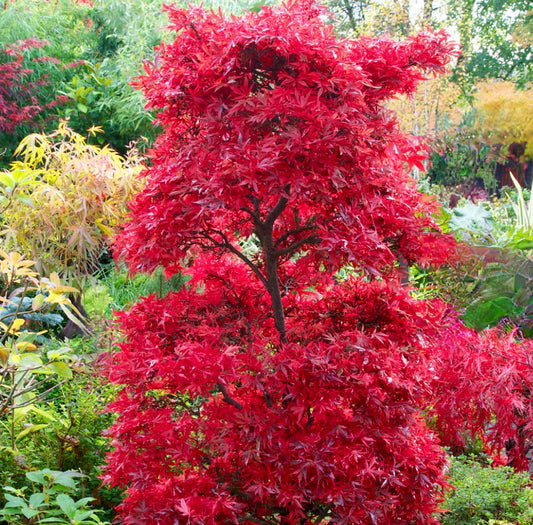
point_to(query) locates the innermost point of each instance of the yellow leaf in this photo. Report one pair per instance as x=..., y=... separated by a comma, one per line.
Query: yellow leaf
x=103, y=228
x=25, y=346
x=55, y=298
x=95, y=129
x=4, y=354
x=54, y=278
x=16, y=325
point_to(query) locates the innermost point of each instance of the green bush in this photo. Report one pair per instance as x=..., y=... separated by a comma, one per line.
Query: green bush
x=483, y=495
x=52, y=498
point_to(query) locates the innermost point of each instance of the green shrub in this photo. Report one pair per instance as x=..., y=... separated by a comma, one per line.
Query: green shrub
x=68, y=432
x=483, y=494
x=49, y=497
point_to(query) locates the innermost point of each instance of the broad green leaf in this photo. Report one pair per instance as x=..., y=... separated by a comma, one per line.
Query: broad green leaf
x=37, y=499
x=66, y=479
x=14, y=501
x=30, y=430
x=81, y=515
x=38, y=476
x=61, y=369
x=29, y=513
x=30, y=360
x=6, y=179
x=37, y=302
x=67, y=505
x=43, y=413
x=59, y=353
x=483, y=314
x=21, y=412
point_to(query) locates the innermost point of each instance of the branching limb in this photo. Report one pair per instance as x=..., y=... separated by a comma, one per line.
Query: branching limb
x=226, y=244
x=254, y=215
x=277, y=210
x=268, y=397
x=227, y=398
x=312, y=239
x=293, y=232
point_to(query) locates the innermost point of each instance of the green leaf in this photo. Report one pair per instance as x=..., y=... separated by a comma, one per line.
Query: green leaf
x=30, y=360
x=7, y=180
x=38, y=476
x=14, y=501
x=37, y=302
x=30, y=430
x=67, y=478
x=81, y=515
x=37, y=499
x=67, y=505
x=483, y=314
x=43, y=413
x=81, y=502
x=61, y=369
x=29, y=513
x=82, y=107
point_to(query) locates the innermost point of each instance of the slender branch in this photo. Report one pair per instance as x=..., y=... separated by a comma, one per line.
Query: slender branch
x=310, y=418
x=32, y=386
x=14, y=314
x=323, y=514
x=295, y=231
x=254, y=519
x=268, y=397
x=312, y=239
x=193, y=27
x=252, y=214
x=227, y=244
x=227, y=398
x=41, y=395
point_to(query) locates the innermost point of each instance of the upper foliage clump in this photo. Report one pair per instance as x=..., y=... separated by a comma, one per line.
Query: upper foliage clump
x=272, y=104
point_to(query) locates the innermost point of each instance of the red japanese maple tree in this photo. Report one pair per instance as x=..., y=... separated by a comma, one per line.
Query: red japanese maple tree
x=18, y=98
x=21, y=90
x=282, y=384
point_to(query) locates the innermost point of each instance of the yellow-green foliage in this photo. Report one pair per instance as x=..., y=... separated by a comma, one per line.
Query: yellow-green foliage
x=505, y=114
x=64, y=220
x=26, y=370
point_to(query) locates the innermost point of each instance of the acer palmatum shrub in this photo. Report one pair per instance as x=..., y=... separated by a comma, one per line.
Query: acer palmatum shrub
x=272, y=389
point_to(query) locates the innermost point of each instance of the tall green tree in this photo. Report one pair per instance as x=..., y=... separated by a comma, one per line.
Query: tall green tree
x=491, y=49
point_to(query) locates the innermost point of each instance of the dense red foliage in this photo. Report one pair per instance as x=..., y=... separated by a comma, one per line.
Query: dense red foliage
x=216, y=422
x=482, y=390
x=20, y=93
x=273, y=105
x=270, y=390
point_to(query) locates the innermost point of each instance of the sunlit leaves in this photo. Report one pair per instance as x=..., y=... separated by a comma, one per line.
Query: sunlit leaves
x=24, y=369
x=504, y=113
x=74, y=203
